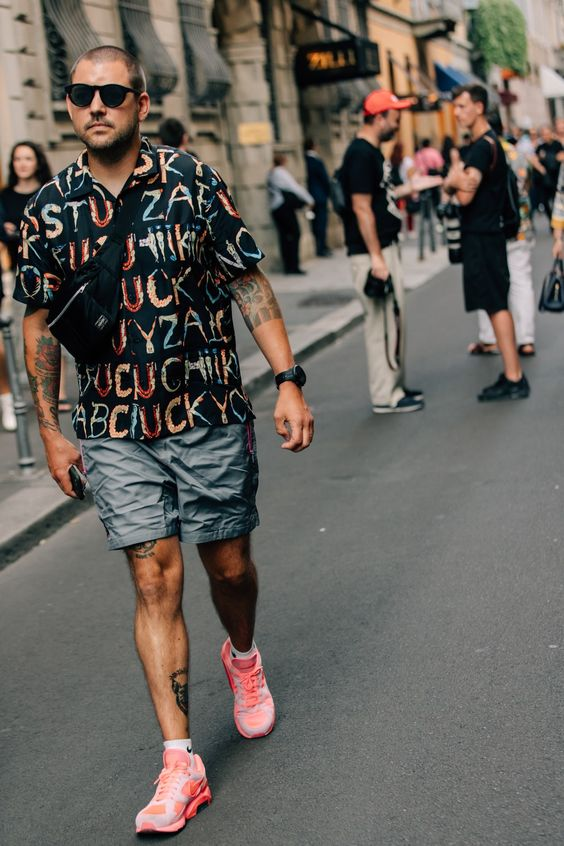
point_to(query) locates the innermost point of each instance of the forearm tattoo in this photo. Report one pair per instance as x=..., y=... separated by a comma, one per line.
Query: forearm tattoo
x=144, y=550
x=180, y=689
x=44, y=373
x=256, y=300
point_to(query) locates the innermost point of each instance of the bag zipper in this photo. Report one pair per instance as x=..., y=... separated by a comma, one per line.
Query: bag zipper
x=70, y=302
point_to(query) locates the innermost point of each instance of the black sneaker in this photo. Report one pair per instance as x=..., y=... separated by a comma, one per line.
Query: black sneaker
x=403, y=405
x=414, y=393
x=505, y=389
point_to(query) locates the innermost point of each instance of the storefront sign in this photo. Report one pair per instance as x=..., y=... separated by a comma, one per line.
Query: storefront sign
x=333, y=61
x=254, y=134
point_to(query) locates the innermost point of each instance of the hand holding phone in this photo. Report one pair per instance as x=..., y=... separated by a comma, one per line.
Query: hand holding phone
x=78, y=481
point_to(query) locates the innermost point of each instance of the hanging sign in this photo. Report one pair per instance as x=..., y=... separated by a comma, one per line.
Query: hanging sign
x=334, y=61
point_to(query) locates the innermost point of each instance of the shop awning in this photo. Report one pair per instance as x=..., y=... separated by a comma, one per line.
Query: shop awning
x=552, y=84
x=209, y=77
x=142, y=40
x=449, y=77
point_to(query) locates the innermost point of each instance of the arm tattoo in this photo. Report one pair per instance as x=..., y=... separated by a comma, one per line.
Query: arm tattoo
x=254, y=296
x=180, y=690
x=144, y=550
x=43, y=365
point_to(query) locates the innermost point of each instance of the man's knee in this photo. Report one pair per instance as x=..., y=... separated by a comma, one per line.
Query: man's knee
x=157, y=573
x=228, y=561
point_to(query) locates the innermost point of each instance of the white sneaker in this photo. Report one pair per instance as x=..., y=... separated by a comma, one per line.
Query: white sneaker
x=9, y=423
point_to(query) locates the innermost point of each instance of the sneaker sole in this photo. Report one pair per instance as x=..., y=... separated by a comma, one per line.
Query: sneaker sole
x=237, y=726
x=192, y=808
x=503, y=399
x=395, y=410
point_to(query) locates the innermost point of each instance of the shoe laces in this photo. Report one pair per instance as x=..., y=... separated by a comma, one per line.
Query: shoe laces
x=169, y=779
x=250, y=683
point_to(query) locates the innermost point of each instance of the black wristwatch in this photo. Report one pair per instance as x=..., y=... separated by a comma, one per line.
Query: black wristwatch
x=295, y=374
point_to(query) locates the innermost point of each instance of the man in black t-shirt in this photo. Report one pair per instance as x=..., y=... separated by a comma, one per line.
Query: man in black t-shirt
x=372, y=223
x=480, y=186
x=547, y=165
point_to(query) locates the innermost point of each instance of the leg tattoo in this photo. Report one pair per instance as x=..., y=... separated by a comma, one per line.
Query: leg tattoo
x=144, y=550
x=180, y=690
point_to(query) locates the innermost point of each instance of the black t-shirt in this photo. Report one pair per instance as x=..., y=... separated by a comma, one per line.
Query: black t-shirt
x=12, y=205
x=484, y=213
x=547, y=153
x=365, y=171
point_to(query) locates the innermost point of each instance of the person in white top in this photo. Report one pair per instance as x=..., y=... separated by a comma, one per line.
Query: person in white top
x=286, y=195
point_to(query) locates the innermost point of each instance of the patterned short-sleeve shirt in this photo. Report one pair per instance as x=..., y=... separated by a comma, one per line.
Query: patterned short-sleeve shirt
x=172, y=363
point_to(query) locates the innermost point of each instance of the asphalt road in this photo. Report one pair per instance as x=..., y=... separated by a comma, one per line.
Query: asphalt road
x=410, y=623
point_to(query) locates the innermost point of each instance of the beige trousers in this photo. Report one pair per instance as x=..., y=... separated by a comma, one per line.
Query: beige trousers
x=384, y=383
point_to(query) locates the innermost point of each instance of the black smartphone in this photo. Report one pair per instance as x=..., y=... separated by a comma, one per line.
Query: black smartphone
x=78, y=481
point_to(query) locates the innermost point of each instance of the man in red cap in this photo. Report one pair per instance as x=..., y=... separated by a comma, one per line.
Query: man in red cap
x=372, y=222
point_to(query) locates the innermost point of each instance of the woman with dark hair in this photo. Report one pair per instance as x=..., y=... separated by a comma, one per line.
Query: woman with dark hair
x=28, y=170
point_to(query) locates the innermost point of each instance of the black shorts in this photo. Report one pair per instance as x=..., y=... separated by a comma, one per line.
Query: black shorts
x=485, y=271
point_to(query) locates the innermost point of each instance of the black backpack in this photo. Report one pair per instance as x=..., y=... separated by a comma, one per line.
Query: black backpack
x=510, y=211
x=511, y=214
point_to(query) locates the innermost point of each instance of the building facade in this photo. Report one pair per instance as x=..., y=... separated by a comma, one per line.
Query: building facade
x=545, y=39
x=226, y=68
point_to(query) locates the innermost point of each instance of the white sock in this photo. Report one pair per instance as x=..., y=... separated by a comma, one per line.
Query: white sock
x=236, y=654
x=185, y=744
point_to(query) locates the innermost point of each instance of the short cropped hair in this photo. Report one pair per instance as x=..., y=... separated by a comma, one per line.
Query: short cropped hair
x=172, y=132
x=478, y=94
x=109, y=53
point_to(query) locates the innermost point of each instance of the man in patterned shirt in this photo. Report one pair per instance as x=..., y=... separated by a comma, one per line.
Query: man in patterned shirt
x=164, y=424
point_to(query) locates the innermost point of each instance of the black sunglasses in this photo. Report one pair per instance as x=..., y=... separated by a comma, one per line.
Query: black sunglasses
x=80, y=94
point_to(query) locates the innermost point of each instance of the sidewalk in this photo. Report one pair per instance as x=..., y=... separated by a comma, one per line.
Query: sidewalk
x=318, y=308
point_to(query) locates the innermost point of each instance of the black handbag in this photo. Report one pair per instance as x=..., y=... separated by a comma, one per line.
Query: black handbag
x=85, y=309
x=293, y=201
x=552, y=294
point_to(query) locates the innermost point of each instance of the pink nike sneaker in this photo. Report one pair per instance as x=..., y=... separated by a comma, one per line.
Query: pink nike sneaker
x=182, y=788
x=253, y=709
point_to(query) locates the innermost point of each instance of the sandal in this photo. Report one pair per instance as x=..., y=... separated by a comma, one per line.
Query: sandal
x=526, y=350
x=478, y=348
x=64, y=405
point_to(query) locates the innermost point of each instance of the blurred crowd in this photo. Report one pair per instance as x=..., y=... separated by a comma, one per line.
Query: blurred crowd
x=539, y=152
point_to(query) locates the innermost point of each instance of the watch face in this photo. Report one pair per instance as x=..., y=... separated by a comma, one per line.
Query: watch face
x=299, y=373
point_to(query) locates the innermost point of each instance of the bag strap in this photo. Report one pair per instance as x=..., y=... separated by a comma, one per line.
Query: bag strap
x=126, y=215
x=487, y=138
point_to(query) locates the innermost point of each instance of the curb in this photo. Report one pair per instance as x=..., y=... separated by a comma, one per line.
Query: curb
x=51, y=509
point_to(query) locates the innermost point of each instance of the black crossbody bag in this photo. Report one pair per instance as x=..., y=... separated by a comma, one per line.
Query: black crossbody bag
x=85, y=309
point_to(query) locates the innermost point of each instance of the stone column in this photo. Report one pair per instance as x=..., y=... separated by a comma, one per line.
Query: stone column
x=249, y=130
x=25, y=106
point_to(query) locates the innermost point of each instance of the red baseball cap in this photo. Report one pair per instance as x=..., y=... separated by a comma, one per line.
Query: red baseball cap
x=382, y=100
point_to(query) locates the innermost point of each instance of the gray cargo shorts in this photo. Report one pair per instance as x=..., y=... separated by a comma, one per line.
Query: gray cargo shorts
x=200, y=484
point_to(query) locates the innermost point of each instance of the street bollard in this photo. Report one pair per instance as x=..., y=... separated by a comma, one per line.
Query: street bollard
x=26, y=460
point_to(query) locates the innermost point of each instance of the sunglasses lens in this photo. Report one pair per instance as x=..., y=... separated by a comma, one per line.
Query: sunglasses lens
x=81, y=95
x=113, y=95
